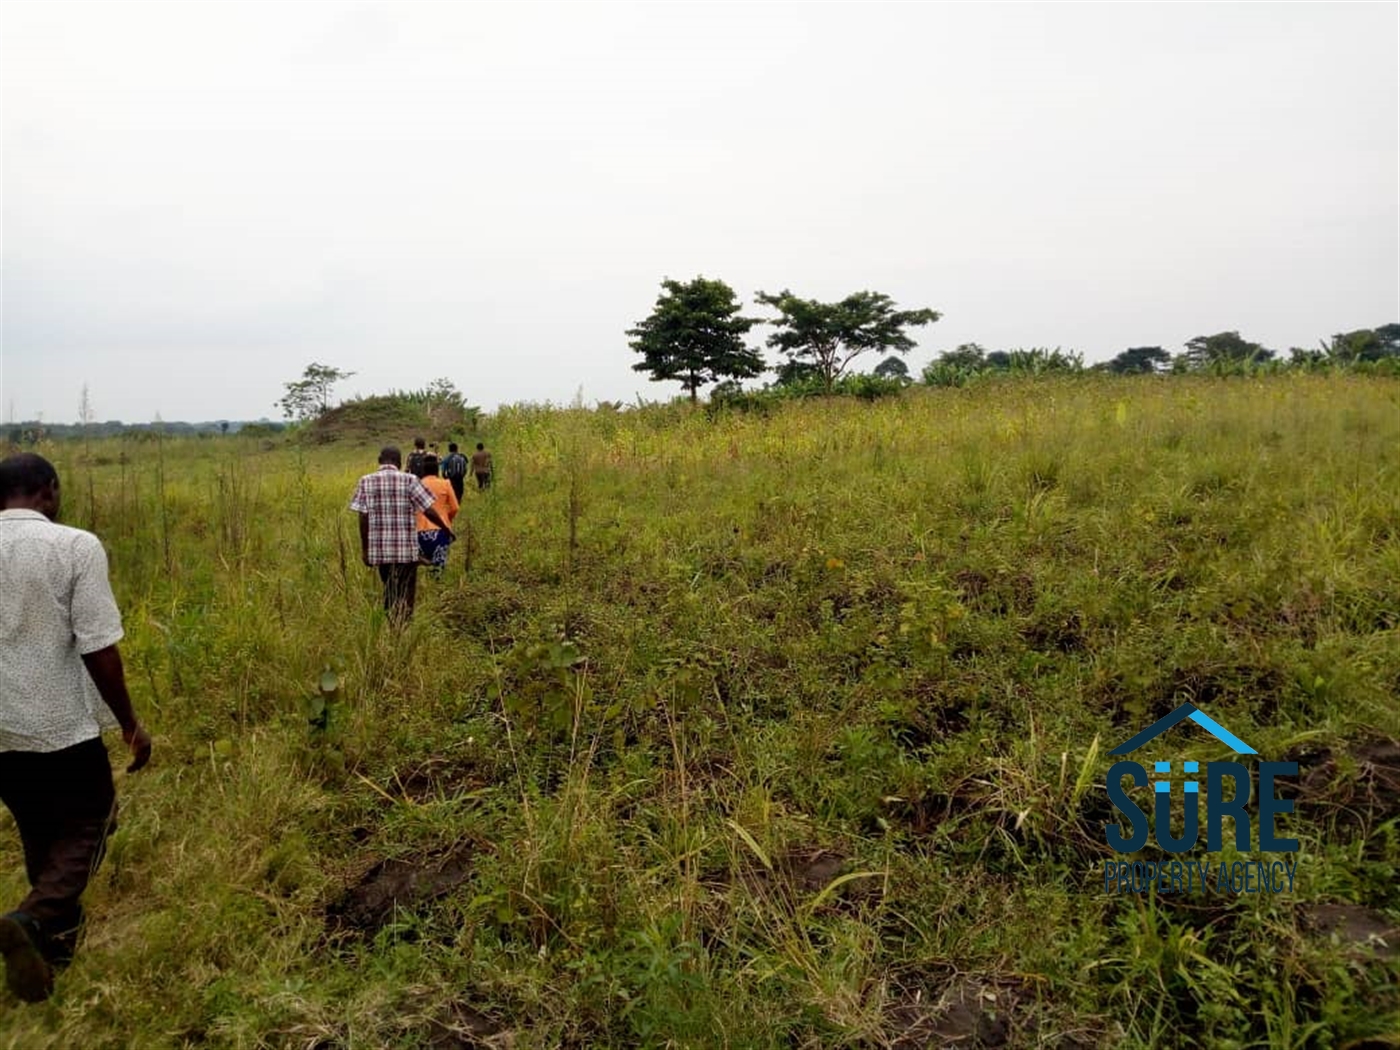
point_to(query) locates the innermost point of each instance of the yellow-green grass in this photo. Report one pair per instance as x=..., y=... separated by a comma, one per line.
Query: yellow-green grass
x=754, y=730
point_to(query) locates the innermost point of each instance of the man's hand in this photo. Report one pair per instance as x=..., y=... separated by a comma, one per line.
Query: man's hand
x=139, y=741
x=437, y=519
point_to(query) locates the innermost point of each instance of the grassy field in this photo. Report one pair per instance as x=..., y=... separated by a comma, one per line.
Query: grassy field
x=751, y=731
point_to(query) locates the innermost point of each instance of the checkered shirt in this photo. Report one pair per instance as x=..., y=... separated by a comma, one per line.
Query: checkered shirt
x=392, y=499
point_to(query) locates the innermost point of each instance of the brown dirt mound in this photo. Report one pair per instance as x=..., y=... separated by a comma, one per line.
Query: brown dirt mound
x=1360, y=930
x=1356, y=791
x=440, y=779
x=800, y=874
x=928, y=1013
x=399, y=884
x=463, y=1027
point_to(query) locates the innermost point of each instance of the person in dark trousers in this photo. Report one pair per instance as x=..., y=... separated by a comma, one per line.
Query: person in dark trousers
x=61, y=686
x=388, y=502
x=454, y=469
x=416, y=457
x=481, y=466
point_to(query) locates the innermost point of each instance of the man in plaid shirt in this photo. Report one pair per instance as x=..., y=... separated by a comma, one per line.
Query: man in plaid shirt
x=388, y=502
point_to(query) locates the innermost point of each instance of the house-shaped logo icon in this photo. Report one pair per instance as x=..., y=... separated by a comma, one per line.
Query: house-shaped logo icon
x=1186, y=710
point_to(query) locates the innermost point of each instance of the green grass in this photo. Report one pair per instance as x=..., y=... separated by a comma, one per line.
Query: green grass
x=750, y=731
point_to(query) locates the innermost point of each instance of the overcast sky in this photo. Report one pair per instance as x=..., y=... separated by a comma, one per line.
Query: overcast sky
x=202, y=198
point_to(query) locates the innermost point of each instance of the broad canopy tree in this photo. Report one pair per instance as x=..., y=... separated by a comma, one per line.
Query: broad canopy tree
x=1365, y=344
x=1223, y=348
x=829, y=336
x=892, y=367
x=1139, y=360
x=309, y=396
x=695, y=334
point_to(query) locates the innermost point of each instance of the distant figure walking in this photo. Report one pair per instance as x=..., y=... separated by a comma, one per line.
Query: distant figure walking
x=454, y=469
x=433, y=542
x=416, y=457
x=61, y=685
x=388, y=502
x=481, y=466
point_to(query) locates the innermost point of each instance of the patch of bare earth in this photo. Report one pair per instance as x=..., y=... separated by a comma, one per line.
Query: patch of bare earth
x=800, y=874
x=1356, y=790
x=463, y=1027
x=930, y=1011
x=1361, y=931
x=398, y=884
x=440, y=779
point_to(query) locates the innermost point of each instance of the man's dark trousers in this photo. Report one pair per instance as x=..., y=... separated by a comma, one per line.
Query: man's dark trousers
x=64, y=805
x=400, y=589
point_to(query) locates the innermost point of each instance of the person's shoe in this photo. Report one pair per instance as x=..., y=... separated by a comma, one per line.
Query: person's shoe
x=27, y=974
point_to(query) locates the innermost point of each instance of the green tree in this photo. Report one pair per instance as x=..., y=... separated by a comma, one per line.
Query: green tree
x=1139, y=360
x=1224, y=349
x=309, y=396
x=829, y=336
x=695, y=334
x=795, y=373
x=966, y=355
x=1365, y=344
x=892, y=367
x=1040, y=360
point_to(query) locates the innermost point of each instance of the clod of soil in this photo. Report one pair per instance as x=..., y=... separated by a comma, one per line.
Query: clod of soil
x=963, y=1012
x=462, y=1027
x=399, y=884
x=813, y=872
x=1359, y=929
x=440, y=779
x=803, y=873
x=1360, y=800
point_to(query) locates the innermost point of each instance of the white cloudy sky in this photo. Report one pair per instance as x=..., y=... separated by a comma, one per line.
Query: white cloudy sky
x=202, y=198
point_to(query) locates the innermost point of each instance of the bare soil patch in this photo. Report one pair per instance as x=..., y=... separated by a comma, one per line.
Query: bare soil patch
x=930, y=1012
x=1355, y=790
x=1360, y=930
x=398, y=884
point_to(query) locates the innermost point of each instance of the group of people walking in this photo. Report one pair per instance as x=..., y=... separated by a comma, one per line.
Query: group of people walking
x=406, y=516
x=62, y=683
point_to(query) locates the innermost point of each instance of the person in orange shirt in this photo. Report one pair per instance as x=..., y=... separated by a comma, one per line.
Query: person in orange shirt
x=432, y=541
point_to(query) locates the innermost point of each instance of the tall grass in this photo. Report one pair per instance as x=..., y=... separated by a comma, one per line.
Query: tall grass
x=759, y=730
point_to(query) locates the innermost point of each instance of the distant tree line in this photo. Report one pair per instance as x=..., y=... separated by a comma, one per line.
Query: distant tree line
x=695, y=335
x=32, y=431
x=1225, y=353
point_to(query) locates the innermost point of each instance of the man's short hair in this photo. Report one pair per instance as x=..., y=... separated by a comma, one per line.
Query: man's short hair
x=419, y=443
x=429, y=468
x=390, y=454
x=452, y=446
x=25, y=474
x=480, y=447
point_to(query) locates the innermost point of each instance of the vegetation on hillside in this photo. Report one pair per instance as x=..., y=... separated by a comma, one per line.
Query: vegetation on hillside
x=780, y=728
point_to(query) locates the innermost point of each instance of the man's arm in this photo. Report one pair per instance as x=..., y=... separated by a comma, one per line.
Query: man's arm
x=364, y=537
x=105, y=666
x=432, y=515
x=424, y=500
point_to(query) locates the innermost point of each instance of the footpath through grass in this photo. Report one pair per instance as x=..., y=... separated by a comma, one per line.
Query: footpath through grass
x=752, y=731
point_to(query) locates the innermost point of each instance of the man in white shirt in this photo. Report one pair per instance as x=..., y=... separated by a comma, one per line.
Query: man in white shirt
x=61, y=685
